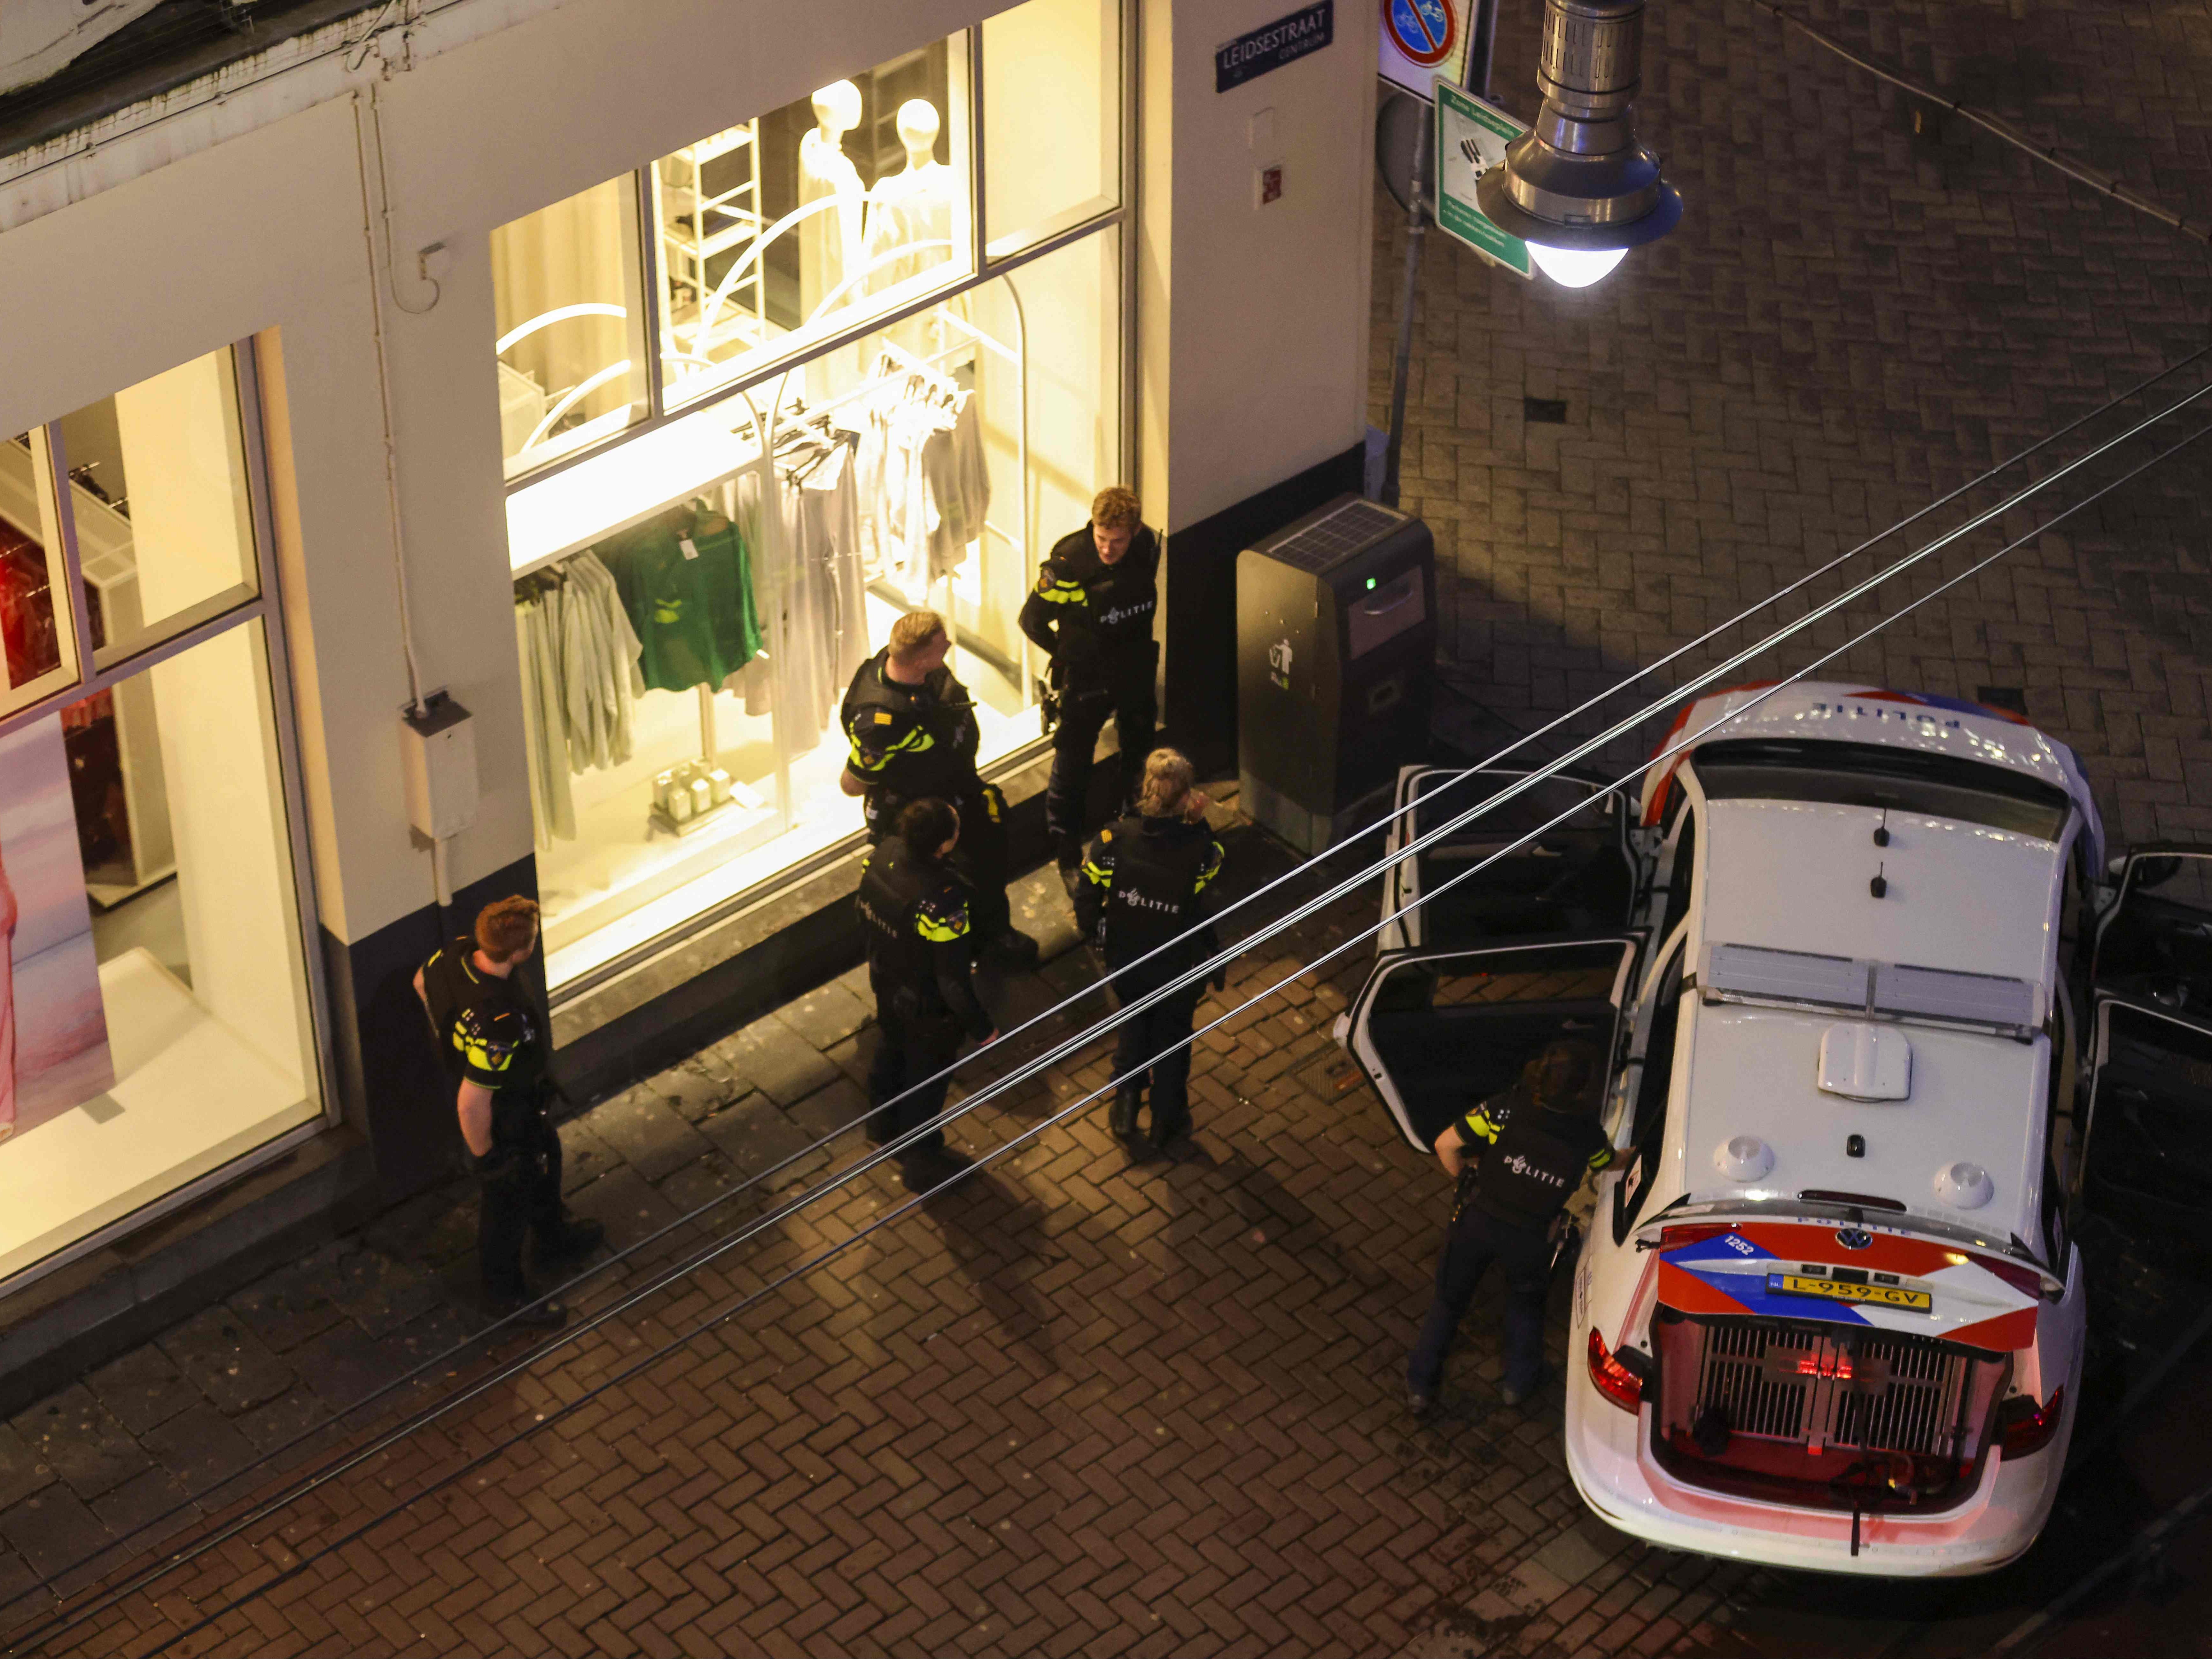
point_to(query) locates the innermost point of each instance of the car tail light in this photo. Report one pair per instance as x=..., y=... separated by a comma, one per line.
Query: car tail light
x=1691, y=1232
x=2023, y=1426
x=1614, y=1380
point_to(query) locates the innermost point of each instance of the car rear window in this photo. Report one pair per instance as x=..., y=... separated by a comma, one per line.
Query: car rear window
x=1868, y=775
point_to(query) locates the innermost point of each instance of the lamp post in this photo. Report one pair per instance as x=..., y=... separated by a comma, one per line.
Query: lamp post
x=1577, y=186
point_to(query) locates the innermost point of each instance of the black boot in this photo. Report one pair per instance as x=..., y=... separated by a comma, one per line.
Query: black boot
x=578, y=1237
x=1122, y=1116
x=1070, y=859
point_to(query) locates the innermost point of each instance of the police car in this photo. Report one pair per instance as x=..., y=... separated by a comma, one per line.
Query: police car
x=1866, y=996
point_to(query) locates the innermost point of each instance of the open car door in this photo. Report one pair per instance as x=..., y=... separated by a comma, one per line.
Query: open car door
x=2147, y=1151
x=1578, y=876
x=1437, y=1031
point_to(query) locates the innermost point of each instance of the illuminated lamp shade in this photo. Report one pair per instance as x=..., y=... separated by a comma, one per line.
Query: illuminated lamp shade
x=1577, y=186
x=1572, y=267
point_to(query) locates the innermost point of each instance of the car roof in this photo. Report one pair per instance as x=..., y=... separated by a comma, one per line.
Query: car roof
x=1790, y=876
x=1835, y=711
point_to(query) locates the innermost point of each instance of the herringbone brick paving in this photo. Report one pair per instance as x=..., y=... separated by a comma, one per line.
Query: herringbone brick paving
x=1076, y=1408
x=1868, y=302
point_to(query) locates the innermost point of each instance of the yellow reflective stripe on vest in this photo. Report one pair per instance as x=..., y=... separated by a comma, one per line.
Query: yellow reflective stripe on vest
x=1478, y=1124
x=912, y=743
x=1061, y=593
x=938, y=931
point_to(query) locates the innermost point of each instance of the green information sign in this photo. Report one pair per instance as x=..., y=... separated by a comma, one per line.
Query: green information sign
x=1471, y=137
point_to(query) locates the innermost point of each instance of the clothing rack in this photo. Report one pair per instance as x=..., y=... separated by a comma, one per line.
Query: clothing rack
x=742, y=450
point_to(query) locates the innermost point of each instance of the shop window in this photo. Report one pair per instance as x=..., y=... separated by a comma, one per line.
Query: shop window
x=793, y=226
x=692, y=601
x=154, y=1019
x=36, y=639
x=653, y=806
x=157, y=495
x=565, y=285
x=1051, y=137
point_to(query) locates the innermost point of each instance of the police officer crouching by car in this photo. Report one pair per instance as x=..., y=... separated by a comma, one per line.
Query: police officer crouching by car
x=914, y=908
x=1091, y=613
x=1535, y=1142
x=1144, y=885
x=913, y=734
x=492, y=1042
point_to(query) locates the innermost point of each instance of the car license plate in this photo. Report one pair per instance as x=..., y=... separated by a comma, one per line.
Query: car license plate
x=1881, y=1296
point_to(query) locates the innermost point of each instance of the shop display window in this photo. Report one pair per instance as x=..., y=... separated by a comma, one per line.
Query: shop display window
x=154, y=1021
x=692, y=601
x=1052, y=146
x=157, y=495
x=795, y=225
x=36, y=638
x=568, y=302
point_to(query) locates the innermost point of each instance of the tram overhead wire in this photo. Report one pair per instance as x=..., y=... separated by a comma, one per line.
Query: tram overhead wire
x=528, y=1360
x=814, y=1263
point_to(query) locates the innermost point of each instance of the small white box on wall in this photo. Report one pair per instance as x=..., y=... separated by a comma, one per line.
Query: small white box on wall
x=438, y=753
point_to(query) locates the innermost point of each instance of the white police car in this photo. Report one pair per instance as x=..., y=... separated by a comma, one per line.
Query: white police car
x=1826, y=1314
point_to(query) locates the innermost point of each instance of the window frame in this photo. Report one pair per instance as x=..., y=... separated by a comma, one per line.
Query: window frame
x=264, y=605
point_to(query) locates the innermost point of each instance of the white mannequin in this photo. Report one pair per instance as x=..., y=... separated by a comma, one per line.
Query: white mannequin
x=913, y=206
x=830, y=242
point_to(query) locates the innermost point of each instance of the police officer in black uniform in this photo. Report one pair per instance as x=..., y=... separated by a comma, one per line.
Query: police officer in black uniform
x=1535, y=1142
x=1145, y=884
x=1092, y=614
x=912, y=731
x=492, y=1040
x=914, y=908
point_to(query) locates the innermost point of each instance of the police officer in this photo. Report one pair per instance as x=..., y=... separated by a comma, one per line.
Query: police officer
x=1144, y=887
x=1092, y=614
x=1535, y=1142
x=914, y=908
x=492, y=1042
x=913, y=735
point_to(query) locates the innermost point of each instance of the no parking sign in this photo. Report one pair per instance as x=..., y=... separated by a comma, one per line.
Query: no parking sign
x=1423, y=39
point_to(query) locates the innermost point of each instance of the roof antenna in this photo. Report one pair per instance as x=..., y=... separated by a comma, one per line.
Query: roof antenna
x=1882, y=833
x=1880, y=884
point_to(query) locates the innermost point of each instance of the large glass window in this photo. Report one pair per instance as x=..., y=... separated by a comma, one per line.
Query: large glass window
x=791, y=227
x=35, y=618
x=154, y=1009
x=566, y=286
x=1052, y=143
x=692, y=602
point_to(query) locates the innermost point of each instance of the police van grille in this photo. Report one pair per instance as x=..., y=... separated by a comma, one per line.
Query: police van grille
x=1883, y=1393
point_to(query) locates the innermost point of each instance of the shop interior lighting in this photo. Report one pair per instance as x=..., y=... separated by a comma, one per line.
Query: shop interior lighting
x=1577, y=186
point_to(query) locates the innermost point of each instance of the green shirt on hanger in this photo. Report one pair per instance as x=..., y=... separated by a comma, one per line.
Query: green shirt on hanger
x=689, y=594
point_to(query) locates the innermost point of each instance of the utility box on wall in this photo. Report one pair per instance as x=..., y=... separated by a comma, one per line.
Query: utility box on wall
x=1336, y=635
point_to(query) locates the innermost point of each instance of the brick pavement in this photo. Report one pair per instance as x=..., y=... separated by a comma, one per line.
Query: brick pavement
x=1077, y=1405
x=1868, y=302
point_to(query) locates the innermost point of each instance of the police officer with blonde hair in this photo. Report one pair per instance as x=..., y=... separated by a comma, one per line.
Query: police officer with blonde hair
x=1091, y=614
x=1146, y=882
x=911, y=730
x=492, y=1042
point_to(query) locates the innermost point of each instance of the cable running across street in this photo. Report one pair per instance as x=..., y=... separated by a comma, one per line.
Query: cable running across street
x=1023, y=1073
x=1995, y=125
x=824, y=1257
x=1523, y=741
x=845, y=1176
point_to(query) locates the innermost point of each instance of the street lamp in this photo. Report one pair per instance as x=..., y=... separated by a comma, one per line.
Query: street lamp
x=1577, y=186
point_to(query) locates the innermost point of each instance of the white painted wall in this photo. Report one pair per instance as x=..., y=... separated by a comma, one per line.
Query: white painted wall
x=1253, y=319
x=167, y=240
